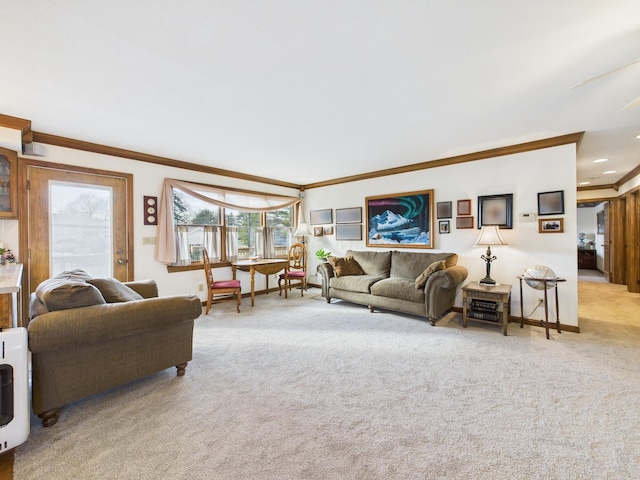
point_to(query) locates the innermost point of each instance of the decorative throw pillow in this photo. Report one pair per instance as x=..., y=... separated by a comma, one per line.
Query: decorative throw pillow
x=345, y=266
x=114, y=291
x=421, y=281
x=62, y=294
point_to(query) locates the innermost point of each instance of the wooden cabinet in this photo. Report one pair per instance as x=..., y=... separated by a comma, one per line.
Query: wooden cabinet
x=587, y=259
x=8, y=183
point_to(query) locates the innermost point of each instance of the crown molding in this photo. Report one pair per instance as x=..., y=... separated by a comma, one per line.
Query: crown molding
x=18, y=124
x=144, y=157
x=468, y=157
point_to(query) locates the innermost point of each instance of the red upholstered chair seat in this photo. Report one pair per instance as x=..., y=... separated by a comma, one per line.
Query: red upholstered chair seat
x=226, y=284
x=295, y=274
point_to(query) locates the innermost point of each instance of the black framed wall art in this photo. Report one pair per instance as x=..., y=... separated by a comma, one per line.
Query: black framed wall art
x=496, y=210
x=551, y=203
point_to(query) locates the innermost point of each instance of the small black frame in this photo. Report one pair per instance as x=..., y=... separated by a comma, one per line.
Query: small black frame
x=551, y=203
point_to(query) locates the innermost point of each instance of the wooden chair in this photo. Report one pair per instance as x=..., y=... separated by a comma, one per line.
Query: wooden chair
x=222, y=290
x=296, y=269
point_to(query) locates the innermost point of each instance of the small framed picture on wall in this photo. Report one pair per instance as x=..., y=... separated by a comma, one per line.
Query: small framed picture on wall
x=551, y=203
x=550, y=225
x=443, y=209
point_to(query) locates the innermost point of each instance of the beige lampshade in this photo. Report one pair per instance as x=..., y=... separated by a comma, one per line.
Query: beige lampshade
x=303, y=230
x=490, y=235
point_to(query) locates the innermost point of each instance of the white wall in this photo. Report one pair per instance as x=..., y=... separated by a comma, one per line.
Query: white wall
x=524, y=175
x=147, y=180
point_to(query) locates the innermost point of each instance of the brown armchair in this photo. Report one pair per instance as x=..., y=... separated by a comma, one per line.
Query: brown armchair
x=114, y=333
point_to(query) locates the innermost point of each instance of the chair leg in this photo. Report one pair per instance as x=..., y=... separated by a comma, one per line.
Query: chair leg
x=239, y=294
x=280, y=287
x=206, y=312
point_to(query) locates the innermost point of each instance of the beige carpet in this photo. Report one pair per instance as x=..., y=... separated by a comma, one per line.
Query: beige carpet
x=299, y=389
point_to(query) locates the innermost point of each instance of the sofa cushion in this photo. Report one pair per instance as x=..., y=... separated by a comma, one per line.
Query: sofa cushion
x=355, y=283
x=398, y=288
x=343, y=266
x=421, y=280
x=114, y=291
x=61, y=294
x=412, y=264
x=372, y=263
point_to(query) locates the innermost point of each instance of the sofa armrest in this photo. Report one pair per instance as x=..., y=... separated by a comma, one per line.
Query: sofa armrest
x=448, y=278
x=145, y=288
x=102, y=323
x=326, y=270
x=440, y=290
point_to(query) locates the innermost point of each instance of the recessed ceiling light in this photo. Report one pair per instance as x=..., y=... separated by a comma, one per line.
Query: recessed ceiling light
x=584, y=183
x=600, y=160
x=609, y=171
x=637, y=136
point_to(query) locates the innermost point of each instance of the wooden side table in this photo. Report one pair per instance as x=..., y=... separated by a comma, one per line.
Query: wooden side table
x=487, y=304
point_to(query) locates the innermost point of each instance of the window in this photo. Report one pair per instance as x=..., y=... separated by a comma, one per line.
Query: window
x=246, y=224
x=227, y=233
x=281, y=221
x=192, y=216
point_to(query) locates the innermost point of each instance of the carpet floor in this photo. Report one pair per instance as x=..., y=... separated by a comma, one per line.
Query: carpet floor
x=302, y=389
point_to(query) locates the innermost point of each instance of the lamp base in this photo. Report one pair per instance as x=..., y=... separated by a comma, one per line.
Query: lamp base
x=487, y=281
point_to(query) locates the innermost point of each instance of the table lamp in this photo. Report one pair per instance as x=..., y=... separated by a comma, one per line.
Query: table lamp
x=489, y=235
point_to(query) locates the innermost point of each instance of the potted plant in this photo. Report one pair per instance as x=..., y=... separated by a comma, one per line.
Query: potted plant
x=322, y=254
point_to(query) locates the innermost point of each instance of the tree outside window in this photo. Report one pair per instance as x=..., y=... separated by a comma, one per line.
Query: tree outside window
x=246, y=222
x=195, y=214
x=281, y=221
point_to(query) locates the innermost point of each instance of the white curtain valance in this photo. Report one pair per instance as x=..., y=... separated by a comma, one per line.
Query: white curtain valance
x=165, y=251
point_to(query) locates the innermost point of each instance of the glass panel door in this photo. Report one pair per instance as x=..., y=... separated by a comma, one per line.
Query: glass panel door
x=81, y=223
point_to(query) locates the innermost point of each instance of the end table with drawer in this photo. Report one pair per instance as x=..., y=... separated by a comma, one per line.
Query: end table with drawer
x=486, y=304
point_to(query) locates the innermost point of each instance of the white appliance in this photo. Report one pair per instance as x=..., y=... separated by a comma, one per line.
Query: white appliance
x=14, y=388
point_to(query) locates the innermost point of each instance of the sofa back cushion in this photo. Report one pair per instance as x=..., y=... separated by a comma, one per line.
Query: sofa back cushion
x=61, y=293
x=114, y=291
x=412, y=264
x=372, y=263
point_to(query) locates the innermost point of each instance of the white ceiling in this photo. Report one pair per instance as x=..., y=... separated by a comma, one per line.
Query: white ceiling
x=306, y=91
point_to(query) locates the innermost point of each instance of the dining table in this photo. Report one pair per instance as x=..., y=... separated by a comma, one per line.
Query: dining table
x=265, y=266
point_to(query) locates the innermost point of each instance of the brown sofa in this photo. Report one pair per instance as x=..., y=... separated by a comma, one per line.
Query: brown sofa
x=416, y=283
x=88, y=335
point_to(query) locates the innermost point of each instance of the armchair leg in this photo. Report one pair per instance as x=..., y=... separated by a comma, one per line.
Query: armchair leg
x=50, y=417
x=181, y=369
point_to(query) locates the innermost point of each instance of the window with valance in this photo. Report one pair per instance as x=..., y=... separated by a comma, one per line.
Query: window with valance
x=230, y=224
